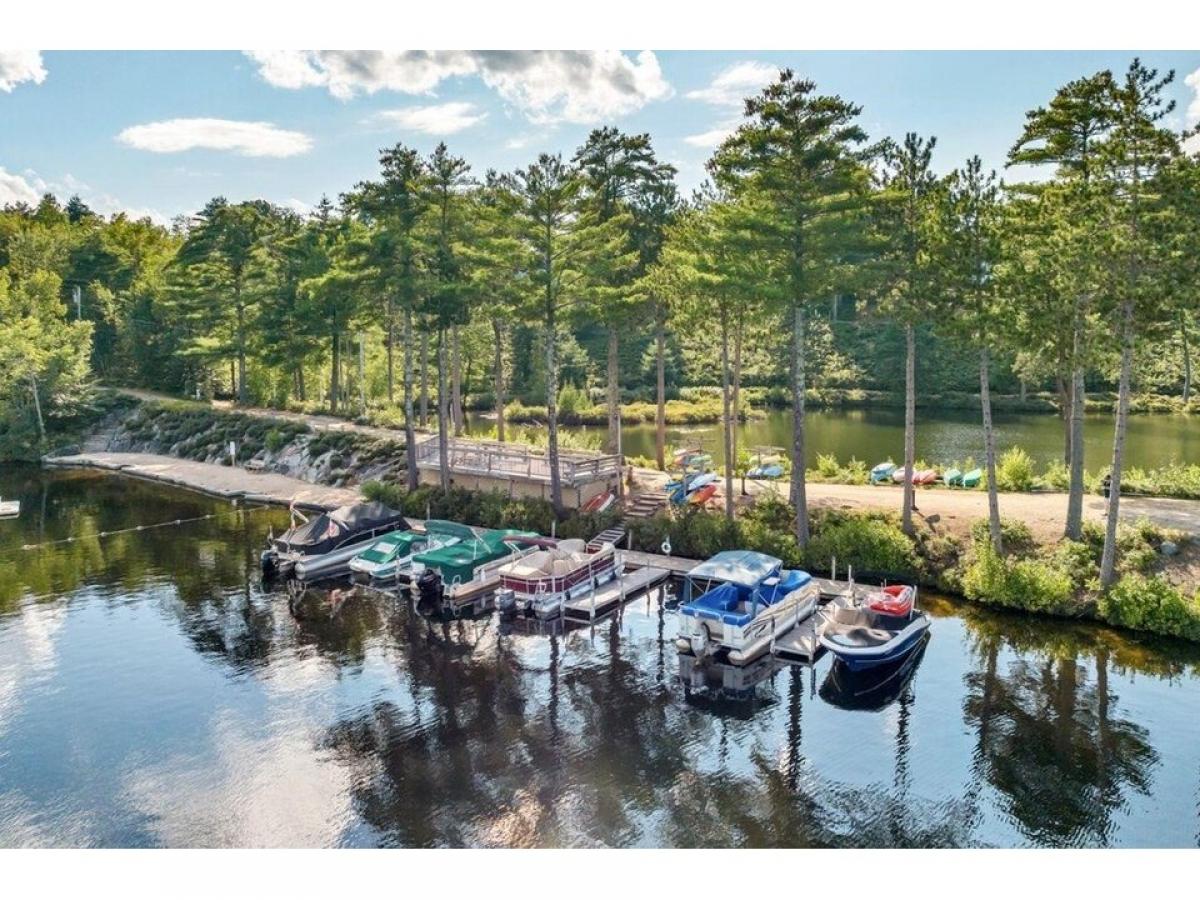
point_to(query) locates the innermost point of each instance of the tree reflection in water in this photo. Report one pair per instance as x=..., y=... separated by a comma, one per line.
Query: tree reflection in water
x=476, y=733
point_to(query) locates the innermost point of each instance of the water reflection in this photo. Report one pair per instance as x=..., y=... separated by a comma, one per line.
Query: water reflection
x=151, y=693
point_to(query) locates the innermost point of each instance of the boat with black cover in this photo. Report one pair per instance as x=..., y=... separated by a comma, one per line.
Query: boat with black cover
x=323, y=546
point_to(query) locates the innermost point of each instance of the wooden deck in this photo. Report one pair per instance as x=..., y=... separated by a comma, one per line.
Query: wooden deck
x=611, y=595
x=520, y=462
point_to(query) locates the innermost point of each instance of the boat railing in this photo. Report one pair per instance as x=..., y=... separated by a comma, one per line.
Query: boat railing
x=496, y=459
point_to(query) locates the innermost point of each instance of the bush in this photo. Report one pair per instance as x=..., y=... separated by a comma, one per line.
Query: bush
x=1028, y=584
x=1057, y=476
x=873, y=544
x=1151, y=604
x=827, y=466
x=1015, y=470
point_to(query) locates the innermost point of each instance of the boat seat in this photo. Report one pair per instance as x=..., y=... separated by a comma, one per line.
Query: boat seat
x=713, y=604
x=861, y=636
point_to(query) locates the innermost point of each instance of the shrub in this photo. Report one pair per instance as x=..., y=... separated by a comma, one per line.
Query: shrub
x=1029, y=584
x=1015, y=470
x=571, y=400
x=872, y=544
x=1057, y=476
x=1151, y=604
x=827, y=466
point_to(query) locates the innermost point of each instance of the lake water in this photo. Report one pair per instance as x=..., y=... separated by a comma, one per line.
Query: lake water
x=942, y=437
x=153, y=694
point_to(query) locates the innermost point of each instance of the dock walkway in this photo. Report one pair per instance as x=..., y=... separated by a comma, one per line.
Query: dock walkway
x=227, y=482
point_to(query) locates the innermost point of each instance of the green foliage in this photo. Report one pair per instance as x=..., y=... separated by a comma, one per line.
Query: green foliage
x=872, y=543
x=1028, y=584
x=1014, y=470
x=1151, y=603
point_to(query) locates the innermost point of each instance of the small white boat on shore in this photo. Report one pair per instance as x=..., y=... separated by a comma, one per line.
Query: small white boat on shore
x=10, y=509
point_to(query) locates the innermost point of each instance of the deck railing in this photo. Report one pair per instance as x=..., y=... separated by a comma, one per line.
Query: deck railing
x=502, y=460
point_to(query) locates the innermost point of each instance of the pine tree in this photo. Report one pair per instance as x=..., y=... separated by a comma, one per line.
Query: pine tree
x=1069, y=134
x=799, y=149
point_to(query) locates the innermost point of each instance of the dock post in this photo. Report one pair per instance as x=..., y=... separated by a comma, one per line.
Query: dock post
x=850, y=580
x=833, y=568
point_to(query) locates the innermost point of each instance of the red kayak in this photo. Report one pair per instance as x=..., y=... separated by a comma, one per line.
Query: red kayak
x=920, y=476
x=894, y=600
x=703, y=495
x=600, y=502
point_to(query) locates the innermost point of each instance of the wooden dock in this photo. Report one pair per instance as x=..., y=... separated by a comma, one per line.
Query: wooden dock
x=608, y=596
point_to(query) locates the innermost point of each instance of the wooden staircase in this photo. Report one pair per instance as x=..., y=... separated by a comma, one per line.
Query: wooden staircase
x=645, y=505
x=613, y=536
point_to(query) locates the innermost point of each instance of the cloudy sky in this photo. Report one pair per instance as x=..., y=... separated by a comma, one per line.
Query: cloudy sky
x=159, y=133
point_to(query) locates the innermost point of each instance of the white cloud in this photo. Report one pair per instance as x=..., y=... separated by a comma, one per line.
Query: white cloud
x=439, y=118
x=547, y=86
x=28, y=187
x=576, y=86
x=244, y=138
x=16, y=188
x=711, y=139
x=735, y=83
x=1193, y=110
x=20, y=65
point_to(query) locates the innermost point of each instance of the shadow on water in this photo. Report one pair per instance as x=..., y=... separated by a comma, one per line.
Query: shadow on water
x=188, y=688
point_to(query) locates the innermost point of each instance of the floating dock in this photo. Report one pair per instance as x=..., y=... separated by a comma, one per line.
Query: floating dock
x=612, y=594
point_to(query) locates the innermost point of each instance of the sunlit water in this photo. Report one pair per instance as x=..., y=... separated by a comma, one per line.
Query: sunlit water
x=943, y=437
x=151, y=694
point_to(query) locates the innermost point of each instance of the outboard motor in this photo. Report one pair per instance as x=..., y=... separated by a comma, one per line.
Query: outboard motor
x=428, y=586
x=506, y=602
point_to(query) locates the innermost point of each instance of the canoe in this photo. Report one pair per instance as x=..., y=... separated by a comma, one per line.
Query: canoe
x=600, y=502
x=971, y=479
x=701, y=480
x=703, y=495
x=773, y=470
x=698, y=460
x=882, y=472
x=925, y=476
x=953, y=477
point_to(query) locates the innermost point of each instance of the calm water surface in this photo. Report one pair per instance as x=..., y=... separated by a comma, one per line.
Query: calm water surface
x=152, y=694
x=942, y=437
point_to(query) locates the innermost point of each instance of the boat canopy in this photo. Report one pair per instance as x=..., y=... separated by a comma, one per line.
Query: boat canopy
x=322, y=533
x=450, y=529
x=746, y=568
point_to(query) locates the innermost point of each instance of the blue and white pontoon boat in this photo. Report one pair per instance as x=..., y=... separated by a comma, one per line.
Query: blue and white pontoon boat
x=738, y=601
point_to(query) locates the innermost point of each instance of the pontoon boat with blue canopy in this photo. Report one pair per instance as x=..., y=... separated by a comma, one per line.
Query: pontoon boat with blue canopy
x=738, y=601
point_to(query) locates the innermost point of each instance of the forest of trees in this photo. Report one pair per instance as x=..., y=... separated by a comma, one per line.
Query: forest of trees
x=814, y=255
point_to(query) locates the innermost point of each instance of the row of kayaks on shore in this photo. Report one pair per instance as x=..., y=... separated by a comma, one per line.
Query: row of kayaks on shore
x=890, y=473
x=734, y=605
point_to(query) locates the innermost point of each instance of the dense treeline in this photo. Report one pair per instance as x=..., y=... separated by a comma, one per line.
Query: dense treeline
x=812, y=257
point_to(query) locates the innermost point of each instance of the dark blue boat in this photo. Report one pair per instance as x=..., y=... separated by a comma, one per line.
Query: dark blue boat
x=875, y=630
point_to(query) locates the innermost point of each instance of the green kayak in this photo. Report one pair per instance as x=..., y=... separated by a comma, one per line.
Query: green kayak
x=953, y=477
x=971, y=479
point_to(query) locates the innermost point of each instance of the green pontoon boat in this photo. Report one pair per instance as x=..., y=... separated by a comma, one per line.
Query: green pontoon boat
x=390, y=557
x=462, y=576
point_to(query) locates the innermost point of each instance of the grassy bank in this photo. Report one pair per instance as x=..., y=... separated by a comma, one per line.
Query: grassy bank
x=1058, y=579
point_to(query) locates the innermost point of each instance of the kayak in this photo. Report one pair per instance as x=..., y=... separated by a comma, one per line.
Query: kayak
x=882, y=472
x=703, y=495
x=920, y=476
x=774, y=470
x=953, y=477
x=600, y=502
x=971, y=479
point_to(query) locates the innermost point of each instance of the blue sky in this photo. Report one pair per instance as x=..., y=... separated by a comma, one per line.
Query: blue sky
x=161, y=132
